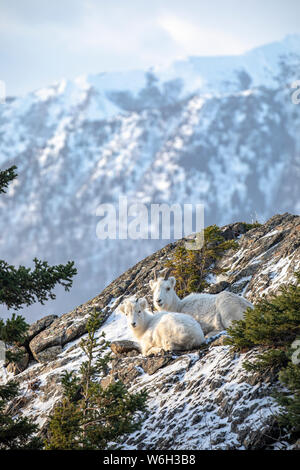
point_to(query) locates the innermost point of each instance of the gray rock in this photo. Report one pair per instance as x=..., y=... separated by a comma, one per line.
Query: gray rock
x=40, y=325
x=153, y=364
x=61, y=331
x=221, y=341
x=124, y=347
x=219, y=287
x=21, y=364
x=48, y=355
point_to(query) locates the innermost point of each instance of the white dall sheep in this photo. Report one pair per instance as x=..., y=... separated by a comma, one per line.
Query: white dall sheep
x=214, y=312
x=166, y=330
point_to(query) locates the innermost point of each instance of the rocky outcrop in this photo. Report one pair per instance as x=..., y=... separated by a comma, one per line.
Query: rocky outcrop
x=21, y=364
x=267, y=256
x=60, y=331
x=206, y=401
x=39, y=326
x=199, y=399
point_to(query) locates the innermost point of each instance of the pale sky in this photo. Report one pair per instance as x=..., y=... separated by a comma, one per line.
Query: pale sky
x=42, y=41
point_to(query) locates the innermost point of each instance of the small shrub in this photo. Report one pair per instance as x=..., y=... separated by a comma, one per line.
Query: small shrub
x=192, y=268
x=248, y=227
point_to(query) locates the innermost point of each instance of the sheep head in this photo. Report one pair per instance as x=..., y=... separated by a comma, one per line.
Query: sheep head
x=133, y=309
x=164, y=295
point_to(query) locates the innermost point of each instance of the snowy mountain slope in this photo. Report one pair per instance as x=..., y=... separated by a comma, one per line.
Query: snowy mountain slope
x=201, y=399
x=222, y=131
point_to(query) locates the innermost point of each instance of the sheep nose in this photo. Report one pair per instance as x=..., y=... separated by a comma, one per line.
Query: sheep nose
x=133, y=324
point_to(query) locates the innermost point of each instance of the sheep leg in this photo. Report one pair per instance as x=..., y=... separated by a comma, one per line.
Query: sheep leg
x=218, y=324
x=169, y=346
x=154, y=351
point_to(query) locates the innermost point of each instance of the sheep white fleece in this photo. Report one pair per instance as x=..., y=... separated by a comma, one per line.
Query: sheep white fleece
x=169, y=331
x=214, y=312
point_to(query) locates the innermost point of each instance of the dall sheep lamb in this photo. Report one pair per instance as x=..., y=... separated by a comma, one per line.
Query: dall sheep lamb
x=166, y=331
x=214, y=312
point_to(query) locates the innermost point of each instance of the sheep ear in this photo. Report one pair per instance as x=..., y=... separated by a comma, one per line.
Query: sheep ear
x=173, y=281
x=143, y=303
x=121, y=308
x=152, y=284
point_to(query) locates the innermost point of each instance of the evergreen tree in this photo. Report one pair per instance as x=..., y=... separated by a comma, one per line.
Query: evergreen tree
x=18, y=287
x=25, y=286
x=6, y=176
x=290, y=401
x=15, y=432
x=274, y=325
x=90, y=416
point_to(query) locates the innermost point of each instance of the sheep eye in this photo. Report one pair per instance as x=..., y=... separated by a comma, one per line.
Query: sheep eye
x=168, y=288
x=139, y=311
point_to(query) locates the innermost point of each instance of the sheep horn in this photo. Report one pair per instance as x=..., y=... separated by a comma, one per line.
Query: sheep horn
x=167, y=274
x=155, y=275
